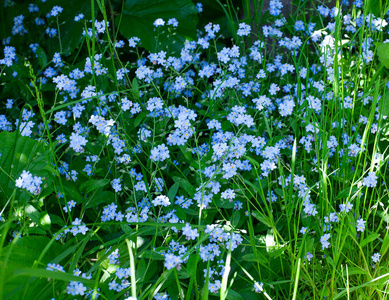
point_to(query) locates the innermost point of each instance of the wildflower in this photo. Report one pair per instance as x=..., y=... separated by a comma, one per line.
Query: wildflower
x=258, y=287
x=116, y=185
x=71, y=204
x=154, y=103
x=9, y=56
x=275, y=7
x=345, y=207
x=172, y=261
x=376, y=257
x=173, y=22
x=133, y=41
x=214, y=287
x=78, y=17
x=159, y=153
x=361, y=225
x=199, y=7
x=370, y=180
x=159, y=22
x=29, y=182
x=9, y=103
x=56, y=10
x=191, y=234
x=309, y=256
x=76, y=288
x=303, y=230
x=161, y=200
x=244, y=29
x=77, y=142
x=324, y=240
x=55, y=267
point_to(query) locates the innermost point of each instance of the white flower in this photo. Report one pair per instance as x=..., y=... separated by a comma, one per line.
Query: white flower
x=161, y=200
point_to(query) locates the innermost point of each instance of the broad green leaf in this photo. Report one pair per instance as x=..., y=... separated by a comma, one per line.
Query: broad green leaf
x=185, y=184
x=139, y=119
x=383, y=54
x=42, y=57
x=347, y=191
x=100, y=198
x=17, y=266
x=70, y=31
x=376, y=7
x=71, y=191
x=252, y=258
x=20, y=153
x=356, y=270
x=173, y=191
x=233, y=295
x=135, y=86
x=51, y=274
x=139, y=15
x=92, y=185
x=369, y=239
x=193, y=261
x=32, y=213
x=235, y=218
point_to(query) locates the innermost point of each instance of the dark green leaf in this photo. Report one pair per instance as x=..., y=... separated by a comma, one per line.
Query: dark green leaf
x=100, y=198
x=188, y=187
x=139, y=16
x=41, y=57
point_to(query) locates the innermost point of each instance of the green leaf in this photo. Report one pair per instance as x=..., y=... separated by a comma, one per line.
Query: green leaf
x=376, y=7
x=70, y=30
x=100, y=198
x=187, y=154
x=52, y=274
x=252, y=161
x=256, y=186
x=384, y=105
x=369, y=239
x=173, y=191
x=383, y=54
x=356, y=270
x=233, y=295
x=32, y=213
x=92, y=185
x=42, y=57
x=235, y=218
x=191, y=266
x=18, y=260
x=385, y=245
x=139, y=119
x=252, y=258
x=135, y=86
x=139, y=16
x=261, y=217
x=347, y=191
x=185, y=185
x=20, y=153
